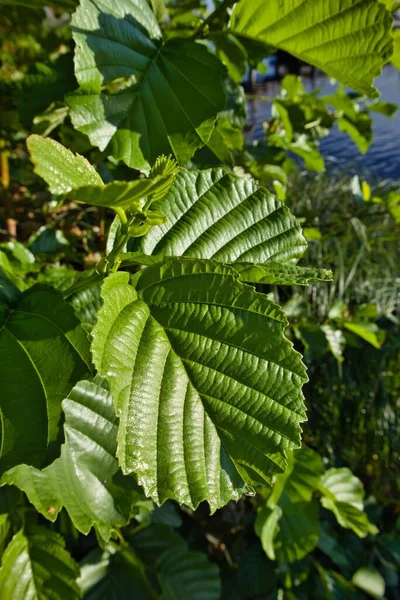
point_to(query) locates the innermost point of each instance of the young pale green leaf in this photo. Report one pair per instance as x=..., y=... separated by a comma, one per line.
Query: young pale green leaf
x=206, y=386
x=343, y=494
x=85, y=479
x=61, y=169
x=349, y=40
x=213, y=214
x=140, y=97
x=183, y=574
x=396, y=54
x=280, y=274
x=43, y=352
x=36, y=566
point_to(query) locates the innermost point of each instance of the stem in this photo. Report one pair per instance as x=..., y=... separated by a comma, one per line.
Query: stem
x=204, y=24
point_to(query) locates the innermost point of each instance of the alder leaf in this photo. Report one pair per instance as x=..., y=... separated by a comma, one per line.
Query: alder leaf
x=343, y=494
x=43, y=352
x=141, y=97
x=280, y=274
x=36, y=566
x=85, y=479
x=206, y=386
x=213, y=214
x=349, y=40
x=61, y=169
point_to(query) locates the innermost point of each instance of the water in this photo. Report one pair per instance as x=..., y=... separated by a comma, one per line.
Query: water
x=382, y=161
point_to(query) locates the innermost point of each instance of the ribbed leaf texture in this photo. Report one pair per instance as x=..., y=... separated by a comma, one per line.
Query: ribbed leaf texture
x=85, y=479
x=286, y=274
x=184, y=574
x=43, y=352
x=36, y=566
x=348, y=39
x=206, y=386
x=213, y=214
x=140, y=97
x=343, y=494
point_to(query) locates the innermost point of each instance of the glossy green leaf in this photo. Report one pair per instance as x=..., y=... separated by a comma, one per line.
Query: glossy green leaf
x=85, y=479
x=60, y=168
x=213, y=214
x=350, y=40
x=184, y=575
x=343, y=494
x=280, y=274
x=140, y=97
x=43, y=353
x=36, y=566
x=206, y=386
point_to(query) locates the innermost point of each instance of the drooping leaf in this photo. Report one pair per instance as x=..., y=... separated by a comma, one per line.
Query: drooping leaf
x=85, y=479
x=213, y=214
x=288, y=524
x=350, y=40
x=281, y=274
x=183, y=574
x=206, y=387
x=140, y=97
x=60, y=168
x=36, y=566
x=43, y=353
x=343, y=494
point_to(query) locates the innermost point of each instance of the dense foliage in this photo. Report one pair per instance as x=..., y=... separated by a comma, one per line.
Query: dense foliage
x=151, y=408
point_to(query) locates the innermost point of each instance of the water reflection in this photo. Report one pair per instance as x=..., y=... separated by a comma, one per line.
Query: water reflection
x=383, y=157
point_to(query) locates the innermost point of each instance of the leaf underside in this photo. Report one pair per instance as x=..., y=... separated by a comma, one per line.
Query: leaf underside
x=350, y=40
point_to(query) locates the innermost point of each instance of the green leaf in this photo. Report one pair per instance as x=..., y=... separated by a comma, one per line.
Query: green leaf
x=366, y=331
x=5, y=529
x=350, y=40
x=343, y=494
x=396, y=54
x=359, y=129
x=184, y=575
x=47, y=240
x=128, y=194
x=85, y=479
x=256, y=575
x=298, y=530
x=389, y=109
x=284, y=535
x=36, y=566
x=114, y=575
x=140, y=97
x=151, y=541
x=231, y=53
x=60, y=168
x=370, y=581
x=213, y=214
x=43, y=353
x=280, y=274
x=223, y=401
